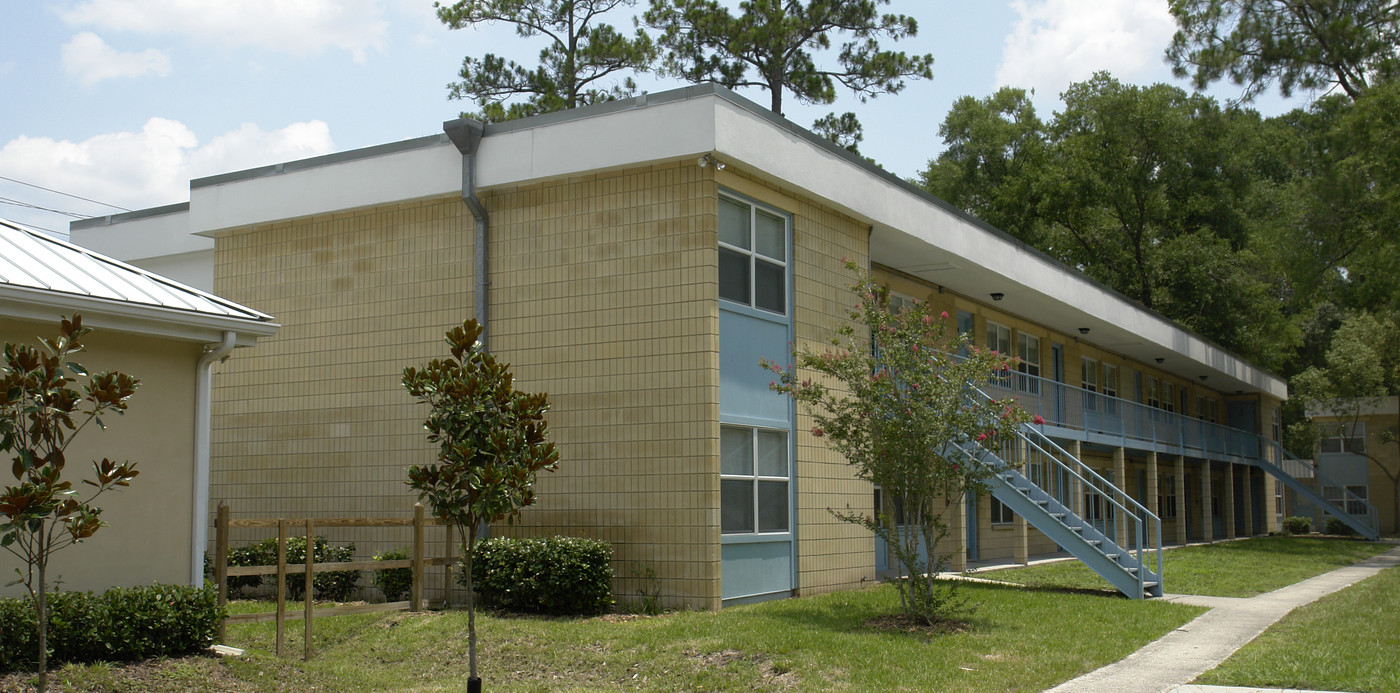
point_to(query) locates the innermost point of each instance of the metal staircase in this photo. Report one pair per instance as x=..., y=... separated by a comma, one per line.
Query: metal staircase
x=1080, y=510
x=1308, y=482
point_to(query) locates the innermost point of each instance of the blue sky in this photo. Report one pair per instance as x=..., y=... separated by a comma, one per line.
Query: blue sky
x=123, y=101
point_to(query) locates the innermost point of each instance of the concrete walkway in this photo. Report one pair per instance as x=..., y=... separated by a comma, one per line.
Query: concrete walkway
x=1185, y=653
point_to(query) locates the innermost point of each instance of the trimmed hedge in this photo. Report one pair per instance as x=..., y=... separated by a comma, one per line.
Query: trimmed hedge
x=556, y=575
x=336, y=586
x=394, y=582
x=1334, y=525
x=1297, y=525
x=119, y=625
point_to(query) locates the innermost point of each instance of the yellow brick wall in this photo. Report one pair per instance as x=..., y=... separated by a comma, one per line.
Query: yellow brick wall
x=604, y=295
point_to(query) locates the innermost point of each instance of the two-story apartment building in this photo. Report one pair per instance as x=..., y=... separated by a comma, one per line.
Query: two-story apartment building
x=635, y=260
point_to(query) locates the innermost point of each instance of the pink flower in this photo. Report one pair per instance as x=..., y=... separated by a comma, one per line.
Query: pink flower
x=1038, y=420
x=1005, y=367
x=818, y=432
x=981, y=437
x=944, y=315
x=929, y=320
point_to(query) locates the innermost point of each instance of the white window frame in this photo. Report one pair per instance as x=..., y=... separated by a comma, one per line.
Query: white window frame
x=756, y=478
x=1029, y=379
x=1001, y=513
x=754, y=257
x=995, y=332
x=1331, y=440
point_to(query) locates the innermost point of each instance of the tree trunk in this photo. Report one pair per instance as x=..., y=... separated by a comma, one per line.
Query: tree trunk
x=41, y=609
x=471, y=604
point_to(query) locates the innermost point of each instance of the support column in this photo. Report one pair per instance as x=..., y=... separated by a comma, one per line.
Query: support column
x=1076, y=487
x=1248, y=500
x=958, y=528
x=1181, y=507
x=1207, y=518
x=1153, y=490
x=1120, y=476
x=1020, y=550
x=1271, y=510
x=1229, y=500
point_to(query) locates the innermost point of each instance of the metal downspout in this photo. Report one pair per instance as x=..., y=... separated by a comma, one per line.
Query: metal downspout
x=203, y=389
x=466, y=134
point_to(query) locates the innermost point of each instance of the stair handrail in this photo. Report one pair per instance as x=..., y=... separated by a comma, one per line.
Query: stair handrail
x=1139, y=520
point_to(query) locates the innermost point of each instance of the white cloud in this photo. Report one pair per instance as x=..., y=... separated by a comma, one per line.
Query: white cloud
x=302, y=27
x=88, y=58
x=154, y=166
x=1055, y=42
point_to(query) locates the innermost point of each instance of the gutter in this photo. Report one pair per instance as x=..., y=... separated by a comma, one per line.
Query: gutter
x=466, y=134
x=204, y=379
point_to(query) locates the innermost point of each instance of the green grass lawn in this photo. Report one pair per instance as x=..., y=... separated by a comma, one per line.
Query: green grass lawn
x=1345, y=641
x=1230, y=569
x=1018, y=640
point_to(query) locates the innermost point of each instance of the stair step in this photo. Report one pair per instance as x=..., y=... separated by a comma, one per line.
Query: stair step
x=1149, y=585
x=1095, y=542
x=1059, y=516
x=1113, y=556
x=1043, y=502
x=1076, y=528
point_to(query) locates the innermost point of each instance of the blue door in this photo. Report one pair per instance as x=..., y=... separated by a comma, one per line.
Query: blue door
x=971, y=526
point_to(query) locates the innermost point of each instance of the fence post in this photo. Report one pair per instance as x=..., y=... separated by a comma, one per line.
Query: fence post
x=221, y=561
x=282, y=526
x=310, y=561
x=418, y=548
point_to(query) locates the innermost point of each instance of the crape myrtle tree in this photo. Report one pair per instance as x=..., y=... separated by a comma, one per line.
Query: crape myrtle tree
x=891, y=396
x=41, y=414
x=492, y=442
x=773, y=44
x=580, y=64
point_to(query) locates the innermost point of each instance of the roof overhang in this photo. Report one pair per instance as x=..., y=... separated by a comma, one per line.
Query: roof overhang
x=120, y=316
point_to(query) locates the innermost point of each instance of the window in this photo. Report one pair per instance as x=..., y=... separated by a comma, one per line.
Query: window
x=1168, y=396
x=753, y=480
x=1210, y=411
x=1166, y=499
x=999, y=340
x=1028, y=350
x=1356, y=501
x=899, y=303
x=1276, y=426
x=1201, y=407
x=1110, y=389
x=1152, y=397
x=1335, y=438
x=1001, y=515
x=752, y=256
x=1089, y=379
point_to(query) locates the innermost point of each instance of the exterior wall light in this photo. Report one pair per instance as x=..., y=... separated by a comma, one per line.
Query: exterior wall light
x=997, y=295
x=1083, y=330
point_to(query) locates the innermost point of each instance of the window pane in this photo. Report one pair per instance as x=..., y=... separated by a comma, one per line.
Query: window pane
x=772, y=506
x=734, y=223
x=768, y=287
x=735, y=451
x=736, y=505
x=770, y=236
x=733, y=276
x=772, y=454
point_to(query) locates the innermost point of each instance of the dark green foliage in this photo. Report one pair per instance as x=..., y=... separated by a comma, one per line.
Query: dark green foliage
x=1298, y=45
x=335, y=586
x=1297, y=525
x=394, y=582
x=557, y=575
x=578, y=65
x=1334, y=525
x=121, y=624
x=776, y=45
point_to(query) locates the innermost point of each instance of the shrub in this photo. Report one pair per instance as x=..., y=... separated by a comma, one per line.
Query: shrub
x=1297, y=525
x=121, y=624
x=1334, y=525
x=557, y=575
x=335, y=586
x=394, y=582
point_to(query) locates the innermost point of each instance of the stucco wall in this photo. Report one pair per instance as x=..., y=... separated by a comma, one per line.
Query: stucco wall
x=148, y=537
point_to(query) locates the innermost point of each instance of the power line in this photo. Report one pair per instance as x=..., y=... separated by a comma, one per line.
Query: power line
x=17, y=203
x=60, y=192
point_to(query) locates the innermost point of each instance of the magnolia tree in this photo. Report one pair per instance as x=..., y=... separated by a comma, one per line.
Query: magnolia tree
x=40, y=416
x=892, y=397
x=492, y=441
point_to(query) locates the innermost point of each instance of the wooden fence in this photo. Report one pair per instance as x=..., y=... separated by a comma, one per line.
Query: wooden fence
x=417, y=560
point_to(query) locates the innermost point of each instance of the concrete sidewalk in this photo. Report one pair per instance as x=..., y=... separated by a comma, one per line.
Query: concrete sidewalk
x=1185, y=653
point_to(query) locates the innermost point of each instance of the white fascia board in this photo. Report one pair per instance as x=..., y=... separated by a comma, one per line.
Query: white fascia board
x=628, y=138
x=120, y=316
x=779, y=154
x=396, y=177
x=1362, y=406
x=141, y=238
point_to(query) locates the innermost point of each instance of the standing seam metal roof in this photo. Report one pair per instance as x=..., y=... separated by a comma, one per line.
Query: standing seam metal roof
x=34, y=260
